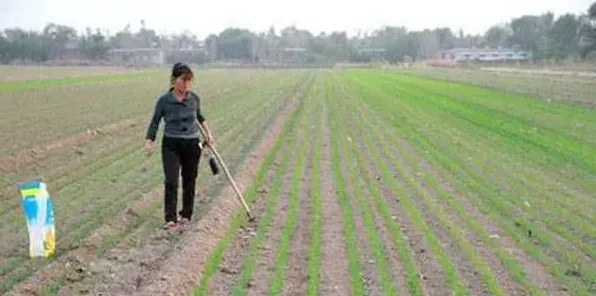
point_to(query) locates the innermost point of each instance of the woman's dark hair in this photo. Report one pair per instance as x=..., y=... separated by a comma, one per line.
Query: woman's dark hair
x=178, y=70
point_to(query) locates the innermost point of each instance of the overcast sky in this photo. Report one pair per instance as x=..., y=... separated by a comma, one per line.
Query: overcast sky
x=212, y=16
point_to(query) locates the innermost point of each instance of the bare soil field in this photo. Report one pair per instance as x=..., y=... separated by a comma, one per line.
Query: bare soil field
x=19, y=73
x=541, y=71
x=587, y=66
x=363, y=182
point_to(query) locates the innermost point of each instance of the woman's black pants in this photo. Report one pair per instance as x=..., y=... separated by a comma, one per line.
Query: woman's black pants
x=179, y=156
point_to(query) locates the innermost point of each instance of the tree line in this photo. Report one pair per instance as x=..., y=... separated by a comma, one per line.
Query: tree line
x=567, y=37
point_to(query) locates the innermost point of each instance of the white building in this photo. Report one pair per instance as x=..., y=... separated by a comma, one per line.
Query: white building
x=485, y=55
x=137, y=56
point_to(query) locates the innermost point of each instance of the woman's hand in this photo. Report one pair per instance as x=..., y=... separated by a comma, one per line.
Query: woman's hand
x=207, y=134
x=210, y=142
x=148, y=147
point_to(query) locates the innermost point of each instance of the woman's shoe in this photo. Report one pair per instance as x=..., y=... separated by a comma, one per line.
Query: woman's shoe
x=171, y=227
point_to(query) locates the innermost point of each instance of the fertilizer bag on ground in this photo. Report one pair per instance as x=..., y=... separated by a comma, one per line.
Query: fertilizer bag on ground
x=39, y=214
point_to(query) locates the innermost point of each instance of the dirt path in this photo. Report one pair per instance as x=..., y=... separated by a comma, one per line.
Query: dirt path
x=334, y=276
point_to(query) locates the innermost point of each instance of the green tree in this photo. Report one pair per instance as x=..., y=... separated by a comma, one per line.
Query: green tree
x=94, y=45
x=235, y=43
x=429, y=44
x=211, y=47
x=497, y=36
x=569, y=36
x=446, y=38
x=56, y=37
x=588, y=32
x=123, y=38
x=24, y=46
x=529, y=33
x=564, y=37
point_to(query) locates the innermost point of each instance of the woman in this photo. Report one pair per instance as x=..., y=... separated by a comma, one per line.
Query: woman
x=180, y=109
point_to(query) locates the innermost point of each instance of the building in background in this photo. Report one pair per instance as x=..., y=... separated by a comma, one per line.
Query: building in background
x=369, y=54
x=489, y=55
x=137, y=57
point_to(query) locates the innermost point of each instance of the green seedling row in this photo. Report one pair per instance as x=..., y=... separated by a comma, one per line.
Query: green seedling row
x=352, y=252
x=216, y=257
x=314, y=252
x=299, y=170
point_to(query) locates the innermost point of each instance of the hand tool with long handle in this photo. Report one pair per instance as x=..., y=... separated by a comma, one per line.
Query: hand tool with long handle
x=230, y=178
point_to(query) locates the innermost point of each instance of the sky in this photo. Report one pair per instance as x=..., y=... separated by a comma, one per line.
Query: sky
x=205, y=17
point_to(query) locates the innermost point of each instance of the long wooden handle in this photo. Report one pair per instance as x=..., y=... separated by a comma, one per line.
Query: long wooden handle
x=230, y=178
